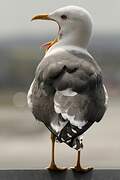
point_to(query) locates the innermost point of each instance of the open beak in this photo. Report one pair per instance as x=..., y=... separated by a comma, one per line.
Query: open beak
x=46, y=17
x=49, y=44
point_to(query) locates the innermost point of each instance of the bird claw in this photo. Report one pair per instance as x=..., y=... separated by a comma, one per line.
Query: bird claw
x=53, y=167
x=82, y=170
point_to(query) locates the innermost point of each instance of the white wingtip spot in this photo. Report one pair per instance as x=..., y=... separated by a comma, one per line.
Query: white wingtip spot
x=68, y=141
x=62, y=139
x=74, y=131
x=69, y=135
x=75, y=146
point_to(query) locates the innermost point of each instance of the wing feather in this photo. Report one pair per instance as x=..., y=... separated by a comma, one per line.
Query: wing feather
x=69, y=80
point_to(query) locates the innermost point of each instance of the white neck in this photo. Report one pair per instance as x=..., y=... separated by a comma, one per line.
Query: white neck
x=76, y=37
x=72, y=38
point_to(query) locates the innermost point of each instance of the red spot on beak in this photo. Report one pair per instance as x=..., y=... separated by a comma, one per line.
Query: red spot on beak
x=49, y=44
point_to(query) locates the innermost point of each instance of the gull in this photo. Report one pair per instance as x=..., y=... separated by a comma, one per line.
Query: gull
x=68, y=94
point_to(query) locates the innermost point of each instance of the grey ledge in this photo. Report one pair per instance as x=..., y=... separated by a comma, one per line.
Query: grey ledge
x=66, y=175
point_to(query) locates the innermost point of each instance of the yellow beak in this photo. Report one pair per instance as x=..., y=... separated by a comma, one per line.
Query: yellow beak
x=46, y=17
x=41, y=16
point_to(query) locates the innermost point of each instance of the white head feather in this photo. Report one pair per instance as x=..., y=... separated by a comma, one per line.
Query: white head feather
x=75, y=25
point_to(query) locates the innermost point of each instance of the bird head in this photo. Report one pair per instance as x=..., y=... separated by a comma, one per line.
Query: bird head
x=75, y=24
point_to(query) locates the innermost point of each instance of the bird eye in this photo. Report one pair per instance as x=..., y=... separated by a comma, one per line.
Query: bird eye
x=64, y=17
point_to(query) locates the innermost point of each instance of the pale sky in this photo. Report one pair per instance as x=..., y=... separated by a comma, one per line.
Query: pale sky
x=15, y=15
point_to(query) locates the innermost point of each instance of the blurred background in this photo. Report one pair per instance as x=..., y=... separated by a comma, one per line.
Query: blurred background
x=24, y=142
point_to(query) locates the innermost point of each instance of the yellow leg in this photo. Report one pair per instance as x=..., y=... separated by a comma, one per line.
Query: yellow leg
x=78, y=167
x=53, y=166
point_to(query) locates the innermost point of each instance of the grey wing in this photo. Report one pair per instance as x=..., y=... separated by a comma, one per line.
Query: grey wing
x=72, y=81
x=65, y=70
x=69, y=80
